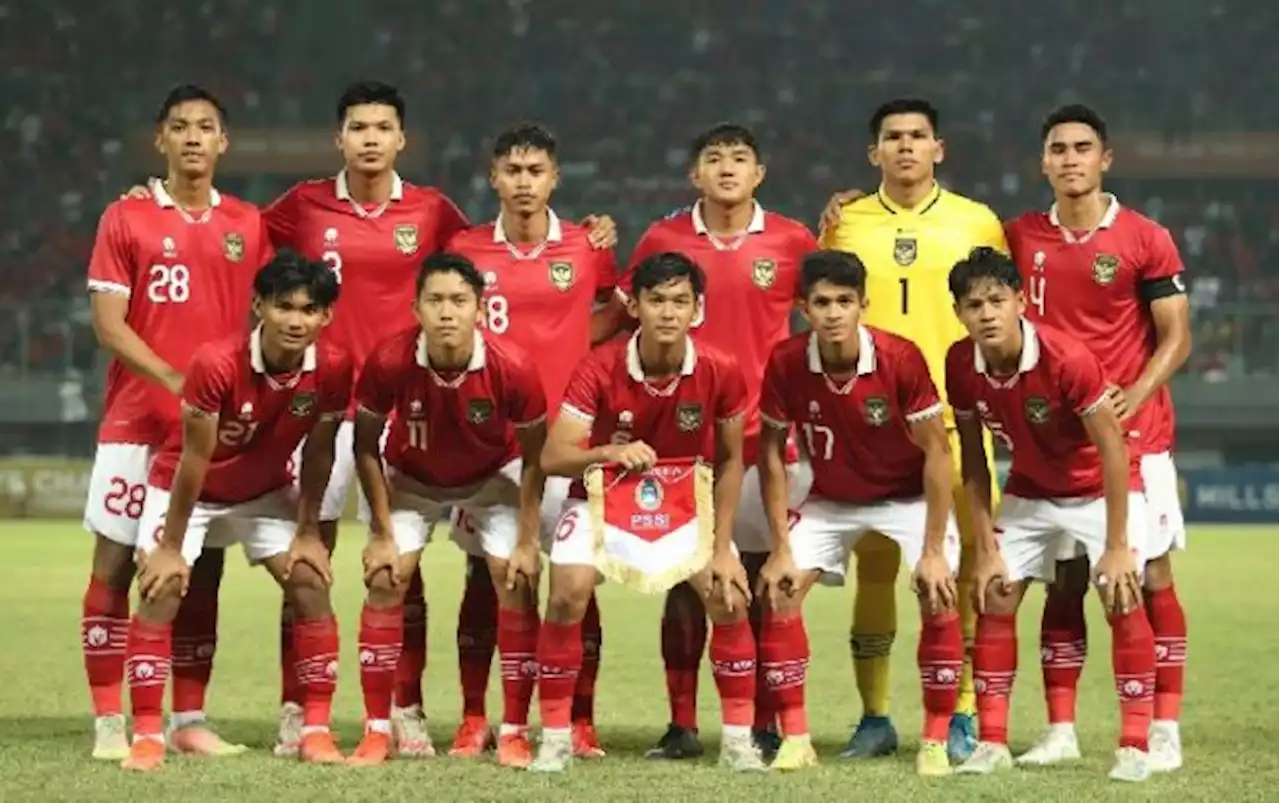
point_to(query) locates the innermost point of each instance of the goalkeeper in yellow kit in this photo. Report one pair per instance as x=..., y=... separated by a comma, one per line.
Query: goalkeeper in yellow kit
x=909, y=234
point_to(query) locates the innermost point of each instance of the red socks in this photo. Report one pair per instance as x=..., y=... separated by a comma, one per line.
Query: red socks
x=413, y=655
x=559, y=660
x=1169, y=625
x=995, y=661
x=518, y=651
x=1063, y=646
x=315, y=642
x=381, y=637
x=784, y=664
x=940, y=657
x=733, y=664
x=1134, y=660
x=147, y=662
x=584, y=695
x=195, y=640
x=104, y=631
x=684, y=637
x=477, y=636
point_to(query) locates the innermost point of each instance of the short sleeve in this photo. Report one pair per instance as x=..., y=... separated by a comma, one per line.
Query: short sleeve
x=606, y=278
x=208, y=382
x=336, y=396
x=959, y=382
x=525, y=402
x=990, y=232
x=111, y=266
x=281, y=219
x=731, y=392
x=449, y=219
x=917, y=395
x=773, y=403
x=649, y=244
x=374, y=390
x=1163, y=260
x=1081, y=381
x=582, y=396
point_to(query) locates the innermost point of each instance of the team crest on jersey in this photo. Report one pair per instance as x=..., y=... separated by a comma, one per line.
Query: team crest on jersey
x=1037, y=409
x=233, y=247
x=876, y=410
x=905, y=251
x=648, y=494
x=406, y=236
x=302, y=404
x=561, y=275
x=764, y=272
x=1105, y=268
x=479, y=410
x=689, y=417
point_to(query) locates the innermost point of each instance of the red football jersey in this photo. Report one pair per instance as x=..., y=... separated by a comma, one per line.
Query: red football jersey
x=1036, y=412
x=188, y=278
x=609, y=391
x=753, y=282
x=857, y=432
x=1093, y=284
x=375, y=250
x=261, y=417
x=541, y=299
x=451, y=430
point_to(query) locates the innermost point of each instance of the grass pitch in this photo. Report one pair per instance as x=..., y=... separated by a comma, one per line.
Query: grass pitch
x=1228, y=584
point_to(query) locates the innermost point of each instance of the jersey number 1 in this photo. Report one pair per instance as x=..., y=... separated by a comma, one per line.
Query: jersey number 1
x=902, y=283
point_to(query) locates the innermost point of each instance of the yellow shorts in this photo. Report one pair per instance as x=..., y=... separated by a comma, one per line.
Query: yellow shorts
x=957, y=490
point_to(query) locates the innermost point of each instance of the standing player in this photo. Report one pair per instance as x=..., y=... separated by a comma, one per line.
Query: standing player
x=1113, y=278
x=167, y=273
x=542, y=278
x=657, y=395
x=1046, y=397
x=468, y=423
x=751, y=259
x=247, y=403
x=908, y=233
x=881, y=460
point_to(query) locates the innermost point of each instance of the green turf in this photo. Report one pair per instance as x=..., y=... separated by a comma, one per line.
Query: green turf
x=1228, y=584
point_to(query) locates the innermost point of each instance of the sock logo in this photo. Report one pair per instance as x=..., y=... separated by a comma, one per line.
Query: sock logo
x=366, y=657
x=96, y=636
x=205, y=651
x=144, y=670
x=331, y=670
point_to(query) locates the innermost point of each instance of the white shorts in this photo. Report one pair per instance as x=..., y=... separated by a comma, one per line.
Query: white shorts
x=1166, y=530
x=491, y=506
x=464, y=531
x=117, y=491
x=264, y=526
x=1031, y=532
x=751, y=525
x=825, y=532
x=342, y=477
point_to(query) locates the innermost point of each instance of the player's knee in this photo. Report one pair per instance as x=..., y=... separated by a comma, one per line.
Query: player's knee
x=1158, y=573
x=383, y=593
x=523, y=597
x=1071, y=577
x=1002, y=600
x=307, y=591
x=937, y=607
x=724, y=611
x=683, y=603
x=878, y=564
x=571, y=590
x=113, y=563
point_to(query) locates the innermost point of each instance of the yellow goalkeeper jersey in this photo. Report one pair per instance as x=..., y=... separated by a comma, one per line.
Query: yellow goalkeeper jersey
x=909, y=254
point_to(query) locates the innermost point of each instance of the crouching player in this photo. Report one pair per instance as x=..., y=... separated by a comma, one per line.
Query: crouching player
x=871, y=421
x=247, y=402
x=467, y=427
x=652, y=396
x=1044, y=394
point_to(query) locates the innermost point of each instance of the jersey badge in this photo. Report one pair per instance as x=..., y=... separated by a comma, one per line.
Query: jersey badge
x=169, y=247
x=1105, y=268
x=764, y=272
x=905, y=251
x=406, y=237
x=1037, y=409
x=302, y=404
x=561, y=275
x=233, y=247
x=648, y=494
x=479, y=410
x=876, y=410
x=689, y=417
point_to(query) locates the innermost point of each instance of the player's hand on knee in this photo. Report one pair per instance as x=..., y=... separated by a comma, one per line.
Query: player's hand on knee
x=381, y=555
x=779, y=579
x=523, y=567
x=311, y=551
x=1116, y=577
x=725, y=574
x=934, y=583
x=163, y=569
x=990, y=576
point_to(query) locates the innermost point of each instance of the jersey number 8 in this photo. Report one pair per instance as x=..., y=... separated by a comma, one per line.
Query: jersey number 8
x=497, y=314
x=168, y=284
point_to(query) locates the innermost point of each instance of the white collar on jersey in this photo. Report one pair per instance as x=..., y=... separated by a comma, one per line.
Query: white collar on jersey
x=1108, y=220
x=477, y=352
x=165, y=201
x=866, y=353
x=1030, y=357
x=343, y=192
x=754, y=227
x=259, y=364
x=554, y=233
x=636, y=371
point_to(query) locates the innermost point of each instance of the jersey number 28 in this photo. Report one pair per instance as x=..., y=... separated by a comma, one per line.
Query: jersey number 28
x=168, y=284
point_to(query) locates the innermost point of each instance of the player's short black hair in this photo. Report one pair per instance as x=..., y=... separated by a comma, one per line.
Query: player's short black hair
x=444, y=262
x=370, y=92
x=835, y=267
x=288, y=272
x=1074, y=113
x=902, y=106
x=524, y=137
x=725, y=133
x=983, y=263
x=183, y=93
x=658, y=269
